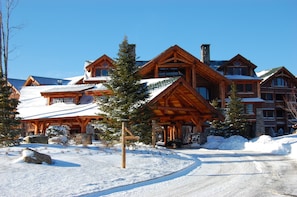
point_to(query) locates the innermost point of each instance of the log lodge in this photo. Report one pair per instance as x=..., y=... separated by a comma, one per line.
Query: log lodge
x=181, y=88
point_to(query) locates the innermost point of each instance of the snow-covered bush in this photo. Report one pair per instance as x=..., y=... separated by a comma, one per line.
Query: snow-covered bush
x=58, y=134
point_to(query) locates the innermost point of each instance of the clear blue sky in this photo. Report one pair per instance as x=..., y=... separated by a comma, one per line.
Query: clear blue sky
x=59, y=35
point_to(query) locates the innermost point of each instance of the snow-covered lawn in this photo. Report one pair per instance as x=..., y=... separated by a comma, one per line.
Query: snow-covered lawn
x=79, y=170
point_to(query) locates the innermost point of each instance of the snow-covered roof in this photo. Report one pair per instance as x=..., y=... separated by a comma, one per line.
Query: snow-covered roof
x=265, y=74
x=34, y=106
x=70, y=88
x=74, y=80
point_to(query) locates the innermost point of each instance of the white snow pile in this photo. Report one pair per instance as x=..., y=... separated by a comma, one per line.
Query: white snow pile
x=284, y=145
x=79, y=170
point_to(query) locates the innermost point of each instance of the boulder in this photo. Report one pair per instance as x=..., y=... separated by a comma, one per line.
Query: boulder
x=41, y=139
x=32, y=156
x=83, y=138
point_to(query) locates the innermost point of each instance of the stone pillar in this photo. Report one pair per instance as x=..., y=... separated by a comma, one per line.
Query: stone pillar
x=260, y=129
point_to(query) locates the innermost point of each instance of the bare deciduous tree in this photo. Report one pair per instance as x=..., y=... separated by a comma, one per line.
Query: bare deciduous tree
x=291, y=104
x=5, y=32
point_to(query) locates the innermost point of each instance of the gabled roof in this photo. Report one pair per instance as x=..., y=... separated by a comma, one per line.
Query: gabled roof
x=179, y=101
x=178, y=54
x=98, y=61
x=17, y=83
x=36, y=80
x=270, y=73
x=238, y=57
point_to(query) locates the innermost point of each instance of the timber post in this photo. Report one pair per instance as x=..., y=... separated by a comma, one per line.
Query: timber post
x=125, y=137
x=123, y=144
x=154, y=133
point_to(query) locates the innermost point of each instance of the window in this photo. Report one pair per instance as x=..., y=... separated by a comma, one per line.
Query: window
x=268, y=113
x=248, y=87
x=279, y=97
x=237, y=71
x=203, y=91
x=239, y=88
x=244, y=88
x=62, y=100
x=101, y=72
x=279, y=113
x=249, y=109
x=279, y=82
x=267, y=96
x=170, y=72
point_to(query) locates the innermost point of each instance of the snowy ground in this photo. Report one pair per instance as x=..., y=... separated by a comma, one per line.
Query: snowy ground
x=264, y=166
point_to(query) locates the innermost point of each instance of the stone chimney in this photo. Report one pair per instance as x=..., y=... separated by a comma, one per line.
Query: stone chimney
x=205, y=54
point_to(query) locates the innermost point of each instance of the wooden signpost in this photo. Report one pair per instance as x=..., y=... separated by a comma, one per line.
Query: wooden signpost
x=125, y=137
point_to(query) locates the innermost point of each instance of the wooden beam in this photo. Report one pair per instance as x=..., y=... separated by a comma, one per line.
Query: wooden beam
x=222, y=94
x=186, y=109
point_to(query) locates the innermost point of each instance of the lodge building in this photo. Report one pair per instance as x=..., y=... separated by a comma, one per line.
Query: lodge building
x=181, y=88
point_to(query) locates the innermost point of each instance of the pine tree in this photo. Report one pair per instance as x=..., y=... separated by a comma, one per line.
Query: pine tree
x=217, y=127
x=235, y=122
x=128, y=98
x=235, y=119
x=9, y=122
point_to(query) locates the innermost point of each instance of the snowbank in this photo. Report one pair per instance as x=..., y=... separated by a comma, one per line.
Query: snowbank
x=284, y=145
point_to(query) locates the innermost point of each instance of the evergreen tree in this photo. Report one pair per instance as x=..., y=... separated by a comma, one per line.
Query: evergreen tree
x=235, y=119
x=9, y=123
x=128, y=98
x=235, y=122
x=217, y=127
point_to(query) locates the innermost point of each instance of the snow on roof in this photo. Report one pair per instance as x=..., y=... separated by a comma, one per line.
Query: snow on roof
x=34, y=106
x=70, y=88
x=99, y=78
x=74, y=80
x=265, y=74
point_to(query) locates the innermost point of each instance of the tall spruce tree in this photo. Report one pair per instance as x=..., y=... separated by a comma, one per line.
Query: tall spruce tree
x=235, y=118
x=235, y=121
x=9, y=122
x=127, y=102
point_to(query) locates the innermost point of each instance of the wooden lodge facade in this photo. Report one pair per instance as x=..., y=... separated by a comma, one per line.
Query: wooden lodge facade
x=181, y=105
x=277, y=86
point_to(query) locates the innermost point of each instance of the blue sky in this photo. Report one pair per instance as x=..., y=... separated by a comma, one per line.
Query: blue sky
x=58, y=36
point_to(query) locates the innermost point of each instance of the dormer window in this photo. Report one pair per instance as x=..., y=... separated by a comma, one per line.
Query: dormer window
x=234, y=70
x=101, y=72
x=279, y=82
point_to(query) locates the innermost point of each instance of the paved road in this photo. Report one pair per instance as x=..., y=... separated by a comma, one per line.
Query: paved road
x=228, y=173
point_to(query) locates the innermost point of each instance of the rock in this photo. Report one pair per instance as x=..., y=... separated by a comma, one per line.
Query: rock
x=83, y=138
x=32, y=156
x=41, y=139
